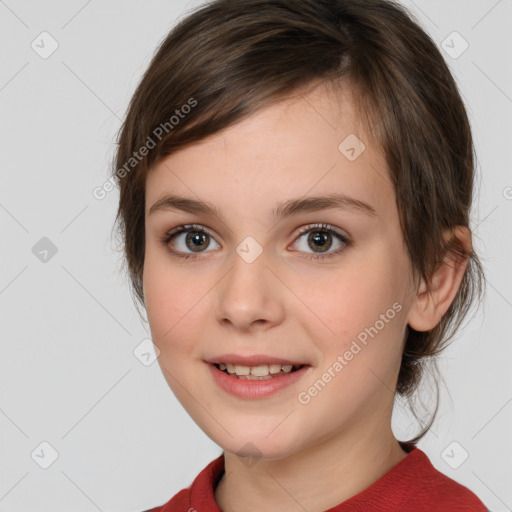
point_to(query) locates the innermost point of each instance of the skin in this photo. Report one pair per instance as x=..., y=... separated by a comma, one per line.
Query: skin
x=308, y=456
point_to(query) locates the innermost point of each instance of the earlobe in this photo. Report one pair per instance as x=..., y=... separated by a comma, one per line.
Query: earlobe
x=430, y=305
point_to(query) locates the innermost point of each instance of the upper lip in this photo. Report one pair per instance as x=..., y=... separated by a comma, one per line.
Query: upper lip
x=254, y=360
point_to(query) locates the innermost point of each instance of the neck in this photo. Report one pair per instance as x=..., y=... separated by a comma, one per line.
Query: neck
x=314, y=479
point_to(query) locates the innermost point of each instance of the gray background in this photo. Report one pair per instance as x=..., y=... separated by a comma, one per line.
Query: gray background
x=68, y=372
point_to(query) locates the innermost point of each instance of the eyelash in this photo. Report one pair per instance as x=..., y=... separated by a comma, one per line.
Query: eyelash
x=169, y=235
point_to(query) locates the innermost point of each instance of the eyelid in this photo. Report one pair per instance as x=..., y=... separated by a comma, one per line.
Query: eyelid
x=321, y=226
x=188, y=227
x=304, y=229
x=184, y=228
x=345, y=239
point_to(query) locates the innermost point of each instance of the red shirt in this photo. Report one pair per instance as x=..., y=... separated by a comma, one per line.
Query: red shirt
x=412, y=485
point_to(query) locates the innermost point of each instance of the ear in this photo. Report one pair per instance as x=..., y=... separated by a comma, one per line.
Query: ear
x=429, y=307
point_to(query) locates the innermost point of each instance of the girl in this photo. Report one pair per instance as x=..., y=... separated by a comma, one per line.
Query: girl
x=295, y=186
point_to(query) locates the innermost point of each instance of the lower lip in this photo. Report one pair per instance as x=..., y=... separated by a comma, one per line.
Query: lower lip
x=243, y=388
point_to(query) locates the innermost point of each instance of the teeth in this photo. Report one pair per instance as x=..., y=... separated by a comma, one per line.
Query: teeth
x=274, y=368
x=262, y=370
x=242, y=370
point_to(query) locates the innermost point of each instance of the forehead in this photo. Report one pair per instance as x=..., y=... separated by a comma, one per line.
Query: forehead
x=310, y=143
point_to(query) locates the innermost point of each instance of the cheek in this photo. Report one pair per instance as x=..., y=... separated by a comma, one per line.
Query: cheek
x=361, y=315
x=173, y=307
x=353, y=300
x=173, y=301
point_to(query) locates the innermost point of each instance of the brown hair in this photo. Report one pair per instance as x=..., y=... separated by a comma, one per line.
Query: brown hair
x=232, y=57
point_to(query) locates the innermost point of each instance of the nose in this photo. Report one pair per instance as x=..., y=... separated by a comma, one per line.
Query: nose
x=250, y=295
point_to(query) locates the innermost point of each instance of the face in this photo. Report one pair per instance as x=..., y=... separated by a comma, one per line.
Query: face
x=325, y=285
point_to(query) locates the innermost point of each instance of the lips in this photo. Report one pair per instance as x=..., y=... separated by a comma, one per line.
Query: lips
x=258, y=387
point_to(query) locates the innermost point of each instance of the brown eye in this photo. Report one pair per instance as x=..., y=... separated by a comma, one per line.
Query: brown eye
x=319, y=240
x=187, y=240
x=197, y=240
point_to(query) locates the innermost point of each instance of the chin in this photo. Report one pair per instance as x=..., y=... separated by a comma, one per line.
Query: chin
x=255, y=445
x=257, y=450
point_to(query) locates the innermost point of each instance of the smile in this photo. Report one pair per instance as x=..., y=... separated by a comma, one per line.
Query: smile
x=254, y=382
x=260, y=372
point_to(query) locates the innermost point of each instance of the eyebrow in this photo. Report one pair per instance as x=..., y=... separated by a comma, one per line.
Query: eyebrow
x=282, y=210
